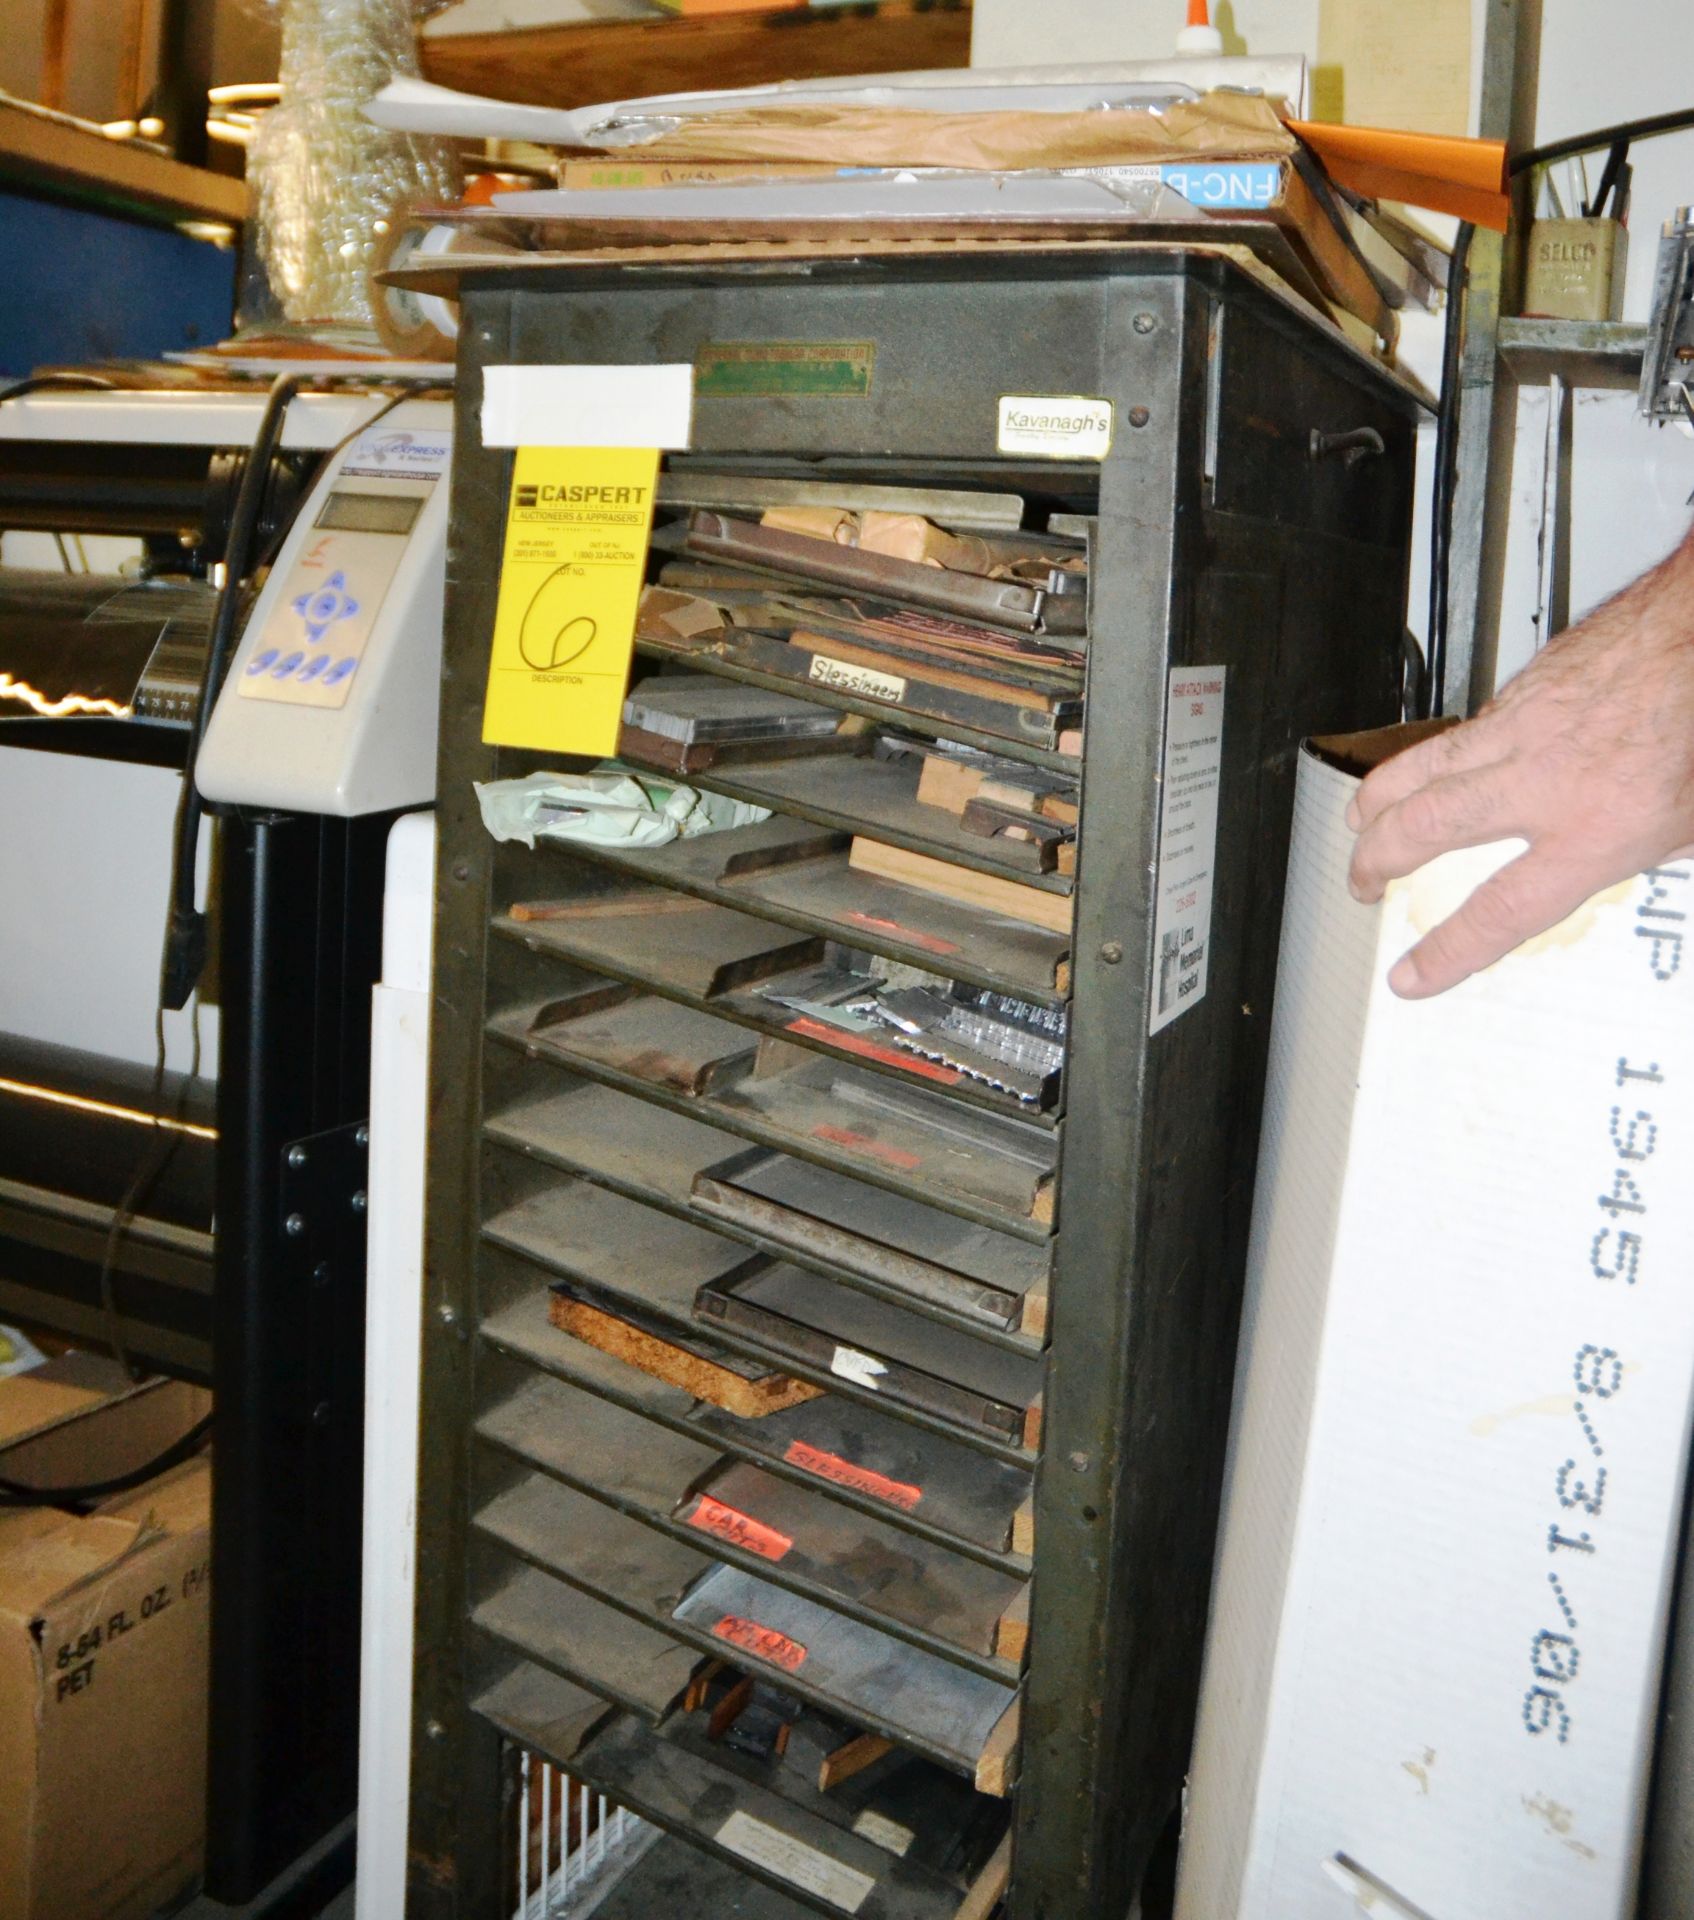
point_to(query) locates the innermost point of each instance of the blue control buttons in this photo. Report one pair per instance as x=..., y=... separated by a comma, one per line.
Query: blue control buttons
x=286, y=665
x=313, y=667
x=326, y=606
x=261, y=661
x=342, y=670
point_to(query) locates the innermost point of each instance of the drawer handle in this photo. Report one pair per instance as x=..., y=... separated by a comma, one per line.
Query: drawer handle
x=1358, y=444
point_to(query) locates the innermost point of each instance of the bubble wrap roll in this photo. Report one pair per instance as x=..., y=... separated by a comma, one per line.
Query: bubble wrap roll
x=326, y=182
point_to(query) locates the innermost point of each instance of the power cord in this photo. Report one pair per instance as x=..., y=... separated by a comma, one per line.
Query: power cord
x=149, y=1172
x=19, y=1493
x=184, y=957
x=67, y=381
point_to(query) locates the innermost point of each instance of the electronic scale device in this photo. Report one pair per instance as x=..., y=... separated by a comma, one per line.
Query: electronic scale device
x=330, y=702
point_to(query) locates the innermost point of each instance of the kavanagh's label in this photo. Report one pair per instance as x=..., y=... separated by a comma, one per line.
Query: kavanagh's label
x=1055, y=426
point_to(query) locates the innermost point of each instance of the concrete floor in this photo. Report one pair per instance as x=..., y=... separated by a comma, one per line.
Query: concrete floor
x=289, y=1896
x=340, y=1908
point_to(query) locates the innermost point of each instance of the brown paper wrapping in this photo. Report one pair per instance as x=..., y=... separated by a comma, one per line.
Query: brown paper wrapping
x=1236, y=126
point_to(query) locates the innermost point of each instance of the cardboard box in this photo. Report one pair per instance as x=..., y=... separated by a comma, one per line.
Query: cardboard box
x=1462, y=1410
x=103, y=1637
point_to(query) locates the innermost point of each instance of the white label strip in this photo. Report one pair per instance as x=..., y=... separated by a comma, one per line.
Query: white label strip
x=862, y=1368
x=792, y=1860
x=1188, y=842
x=882, y=1832
x=588, y=406
x=1055, y=426
x=849, y=678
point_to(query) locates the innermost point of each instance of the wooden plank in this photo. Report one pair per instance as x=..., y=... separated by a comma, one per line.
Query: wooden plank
x=48, y=152
x=1036, y=1305
x=985, y=1895
x=1011, y=1638
x=706, y=1379
x=55, y=31
x=575, y=66
x=1023, y=1530
x=997, y=1764
x=964, y=885
x=841, y=1765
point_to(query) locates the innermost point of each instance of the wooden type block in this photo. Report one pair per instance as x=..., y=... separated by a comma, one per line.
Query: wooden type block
x=725, y=1380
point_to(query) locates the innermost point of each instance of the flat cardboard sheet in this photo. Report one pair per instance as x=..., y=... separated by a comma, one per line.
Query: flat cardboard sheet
x=1462, y=1411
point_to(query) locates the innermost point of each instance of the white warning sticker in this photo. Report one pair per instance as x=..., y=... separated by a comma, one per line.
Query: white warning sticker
x=863, y=1368
x=1188, y=842
x=792, y=1860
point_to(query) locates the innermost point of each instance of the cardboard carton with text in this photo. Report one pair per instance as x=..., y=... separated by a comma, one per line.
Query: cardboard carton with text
x=103, y=1636
x=1462, y=1409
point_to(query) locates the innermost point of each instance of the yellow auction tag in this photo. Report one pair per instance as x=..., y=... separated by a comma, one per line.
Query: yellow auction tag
x=577, y=529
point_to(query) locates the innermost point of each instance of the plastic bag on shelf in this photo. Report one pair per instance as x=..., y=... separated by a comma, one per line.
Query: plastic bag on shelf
x=326, y=182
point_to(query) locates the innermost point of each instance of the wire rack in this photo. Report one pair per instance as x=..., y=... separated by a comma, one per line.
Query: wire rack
x=573, y=1845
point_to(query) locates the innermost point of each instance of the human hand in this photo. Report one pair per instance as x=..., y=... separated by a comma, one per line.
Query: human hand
x=1588, y=755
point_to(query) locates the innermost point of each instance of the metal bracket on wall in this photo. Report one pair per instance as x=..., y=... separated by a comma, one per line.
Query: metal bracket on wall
x=321, y=1199
x=321, y=1219
x=322, y=1192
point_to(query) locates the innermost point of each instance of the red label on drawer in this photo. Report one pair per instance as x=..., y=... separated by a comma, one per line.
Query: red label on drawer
x=739, y=1529
x=863, y=1143
x=831, y=1466
x=764, y=1643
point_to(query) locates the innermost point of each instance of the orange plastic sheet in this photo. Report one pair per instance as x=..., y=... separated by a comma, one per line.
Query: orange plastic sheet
x=1439, y=171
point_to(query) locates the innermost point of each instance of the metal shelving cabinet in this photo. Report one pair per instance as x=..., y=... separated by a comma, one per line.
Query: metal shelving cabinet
x=1225, y=530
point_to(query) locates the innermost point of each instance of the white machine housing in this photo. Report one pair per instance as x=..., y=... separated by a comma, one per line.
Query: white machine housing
x=329, y=705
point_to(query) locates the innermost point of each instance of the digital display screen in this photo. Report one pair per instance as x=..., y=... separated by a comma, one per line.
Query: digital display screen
x=345, y=512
